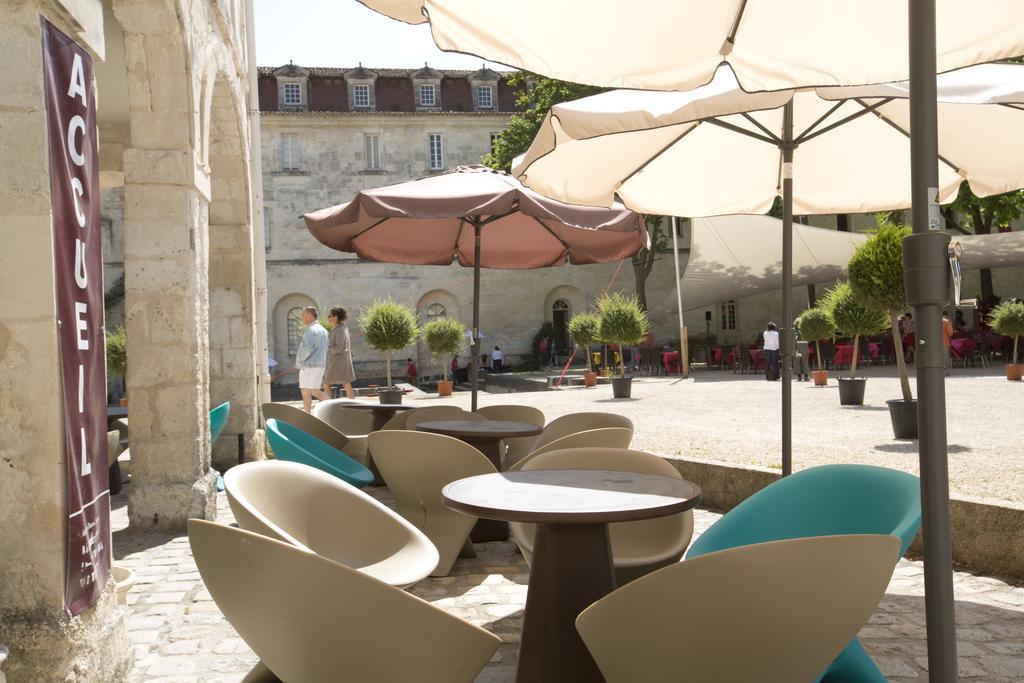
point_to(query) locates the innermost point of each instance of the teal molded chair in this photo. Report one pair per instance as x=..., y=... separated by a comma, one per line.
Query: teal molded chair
x=291, y=443
x=830, y=500
x=218, y=421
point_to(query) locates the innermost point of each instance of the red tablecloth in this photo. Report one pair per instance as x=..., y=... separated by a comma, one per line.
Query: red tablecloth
x=844, y=353
x=757, y=359
x=963, y=347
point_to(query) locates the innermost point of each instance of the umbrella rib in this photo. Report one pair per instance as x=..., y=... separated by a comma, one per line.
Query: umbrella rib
x=882, y=117
x=742, y=131
x=757, y=123
x=730, y=40
x=550, y=232
x=660, y=152
x=824, y=116
x=804, y=137
x=368, y=228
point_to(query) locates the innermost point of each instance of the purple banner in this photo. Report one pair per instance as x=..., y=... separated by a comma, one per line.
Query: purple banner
x=78, y=278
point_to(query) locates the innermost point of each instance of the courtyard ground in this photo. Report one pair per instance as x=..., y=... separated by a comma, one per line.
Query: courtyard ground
x=180, y=636
x=719, y=415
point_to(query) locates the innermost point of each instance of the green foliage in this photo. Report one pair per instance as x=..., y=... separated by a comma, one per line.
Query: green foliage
x=852, y=316
x=534, y=103
x=117, y=352
x=388, y=325
x=1008, y=318
x=983, y=213
x=621, y=321
x=547, y=329
x=583, y=329
x=816, y=324
x=444, y=337
x=876, y=269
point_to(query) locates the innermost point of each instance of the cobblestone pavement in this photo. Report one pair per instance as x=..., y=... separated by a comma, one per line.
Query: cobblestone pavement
x=180, y=636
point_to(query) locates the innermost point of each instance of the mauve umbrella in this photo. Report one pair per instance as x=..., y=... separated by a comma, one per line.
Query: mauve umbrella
x=481, y=218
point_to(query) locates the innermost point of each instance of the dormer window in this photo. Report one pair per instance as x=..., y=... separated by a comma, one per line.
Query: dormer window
x=427, y=95
x=292, y=94
x=361, y=96
x=484, y=97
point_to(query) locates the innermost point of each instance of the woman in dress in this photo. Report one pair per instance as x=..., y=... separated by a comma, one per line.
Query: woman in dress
x=339, y=354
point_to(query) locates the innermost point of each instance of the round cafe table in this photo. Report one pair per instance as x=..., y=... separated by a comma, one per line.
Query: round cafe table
x=485, y=436
x=382, y=412
x=572, y=561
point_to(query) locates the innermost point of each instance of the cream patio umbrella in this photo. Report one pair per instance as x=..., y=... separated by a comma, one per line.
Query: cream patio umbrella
x=678, y=45
x=718, y=150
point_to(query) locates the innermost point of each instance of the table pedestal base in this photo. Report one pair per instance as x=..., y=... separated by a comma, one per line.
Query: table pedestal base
x=551, y=649
x=489, y=529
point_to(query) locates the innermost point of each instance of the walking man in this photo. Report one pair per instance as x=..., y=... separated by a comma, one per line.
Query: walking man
x=311, y=359
x=771, y=352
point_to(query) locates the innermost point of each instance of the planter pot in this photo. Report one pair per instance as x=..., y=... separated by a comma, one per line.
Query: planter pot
x=393, y=396
x=124, y=579
x=590, y=379
x=820, y=378
x=124, y=401
x=444, y=387
x=851, y=391
x=1014, y=371
x=622, y=387
x=904, y=418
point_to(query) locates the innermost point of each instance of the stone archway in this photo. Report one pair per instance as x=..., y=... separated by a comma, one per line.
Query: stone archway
x=434, y=304
x=232, y=340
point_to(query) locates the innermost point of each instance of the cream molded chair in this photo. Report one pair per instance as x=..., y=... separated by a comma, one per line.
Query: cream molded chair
x=113, y=447
x=770, y=612
x=310, y=619
x=515, y=449
x=607, y=437
x=579, y=422
x=311, y=425
x=638, y=548
x=354, y=424
x=319, y=513
x=430, y=413
x=416, y=466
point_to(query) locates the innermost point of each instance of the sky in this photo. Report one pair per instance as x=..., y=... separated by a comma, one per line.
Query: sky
x=343, y=33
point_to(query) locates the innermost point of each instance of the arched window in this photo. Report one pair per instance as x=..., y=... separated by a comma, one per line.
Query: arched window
x=560, y=305
x=436, y=312
x=295, y=330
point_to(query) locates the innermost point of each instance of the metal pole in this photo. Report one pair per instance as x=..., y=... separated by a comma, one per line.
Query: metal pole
x=684, y=361
x=926, y=277
x=474, y=341
x=786, y=328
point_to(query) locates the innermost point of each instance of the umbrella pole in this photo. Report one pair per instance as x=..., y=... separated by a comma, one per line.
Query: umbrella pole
x=926, y=277
x=786, y=328
x=474, y=342
x=684, y=355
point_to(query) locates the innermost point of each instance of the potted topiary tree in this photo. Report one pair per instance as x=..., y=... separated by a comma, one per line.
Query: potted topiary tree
x=817, y=324
x=444, y=338
x=1008, y=318
x=876, y=277
x=583, y=329
x=117, y=358
x=389, y=326
x=621, y=321
x=853, y=318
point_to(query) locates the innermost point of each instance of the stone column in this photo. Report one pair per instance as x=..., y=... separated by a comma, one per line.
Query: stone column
x=45, y=643
x=234, y=367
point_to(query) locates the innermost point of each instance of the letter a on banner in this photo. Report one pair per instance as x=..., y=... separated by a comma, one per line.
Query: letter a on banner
x=74, y=187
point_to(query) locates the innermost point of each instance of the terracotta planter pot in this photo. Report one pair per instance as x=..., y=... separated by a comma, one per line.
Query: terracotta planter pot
x=124, y=401
x=590, y=379
x=820, y=378
x=444, y=387
x=1014, y=371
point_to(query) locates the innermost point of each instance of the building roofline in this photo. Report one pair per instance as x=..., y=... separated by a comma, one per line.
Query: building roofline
x=340, y=72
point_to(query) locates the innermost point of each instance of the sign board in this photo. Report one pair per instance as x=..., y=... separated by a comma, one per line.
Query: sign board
x=78, y=280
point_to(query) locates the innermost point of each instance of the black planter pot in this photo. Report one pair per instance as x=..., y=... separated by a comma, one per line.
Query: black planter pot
x=622, y=387
x=851, y=391
x=393, y=396
x=904, y=418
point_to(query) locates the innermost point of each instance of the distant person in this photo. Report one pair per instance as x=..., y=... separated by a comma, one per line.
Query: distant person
x=544, y=343
x=771, y=352
x=339, y=353
x=802, y=350
x=947, y=336
x=410, y=371
x=552, y=354
x=311, y=359
x=905, y=324
x=455, y=367
x=960, y=330
x=497, y=359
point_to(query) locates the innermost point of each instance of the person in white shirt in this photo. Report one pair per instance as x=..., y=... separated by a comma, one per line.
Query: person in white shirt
x=497, y=357
x=311, y=359
x=771, y=352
